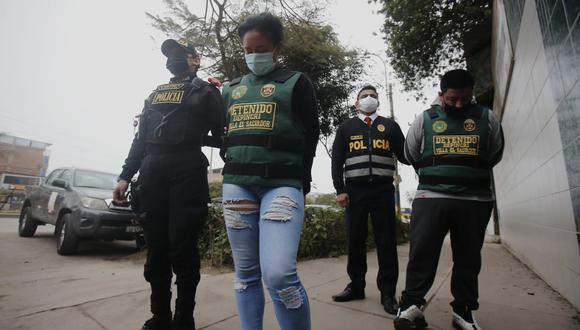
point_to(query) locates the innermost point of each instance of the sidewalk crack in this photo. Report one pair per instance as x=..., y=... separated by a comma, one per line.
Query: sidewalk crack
x=75, y=305
x=85, y=313
x=218, y=321
x=325, y=283
x=385, y=316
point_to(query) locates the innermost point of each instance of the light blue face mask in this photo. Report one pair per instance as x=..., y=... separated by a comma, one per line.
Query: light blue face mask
x=260, y=63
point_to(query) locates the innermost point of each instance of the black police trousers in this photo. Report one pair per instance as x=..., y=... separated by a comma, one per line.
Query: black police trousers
x=174, y=197
x=381, y=208
x=431, y=220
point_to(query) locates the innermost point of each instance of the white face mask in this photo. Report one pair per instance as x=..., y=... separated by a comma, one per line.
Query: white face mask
x=368, y=105
x=260, y=63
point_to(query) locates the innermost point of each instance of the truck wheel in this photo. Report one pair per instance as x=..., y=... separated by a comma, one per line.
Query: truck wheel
x=26, y=224
x=66, y=240
x=140, y=242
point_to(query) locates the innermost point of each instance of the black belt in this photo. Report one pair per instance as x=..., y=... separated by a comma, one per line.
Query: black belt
x=467, y=182
x=265, y=141
x=274, y=171
x=459, y=161
x=157, y=149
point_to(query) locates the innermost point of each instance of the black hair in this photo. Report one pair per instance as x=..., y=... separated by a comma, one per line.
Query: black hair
x=456, y=79
x=265, y=23
x=371, y=87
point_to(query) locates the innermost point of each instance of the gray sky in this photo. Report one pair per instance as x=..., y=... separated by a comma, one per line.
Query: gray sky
x=74, y=73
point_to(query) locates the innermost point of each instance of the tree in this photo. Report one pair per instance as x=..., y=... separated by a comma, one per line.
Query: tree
x=316, y=50
x=309, y=46
x=427, y=37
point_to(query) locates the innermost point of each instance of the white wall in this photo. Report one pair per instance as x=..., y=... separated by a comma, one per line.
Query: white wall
x=533, y=181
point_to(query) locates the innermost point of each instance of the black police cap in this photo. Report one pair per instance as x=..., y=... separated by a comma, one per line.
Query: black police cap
x=168, y=45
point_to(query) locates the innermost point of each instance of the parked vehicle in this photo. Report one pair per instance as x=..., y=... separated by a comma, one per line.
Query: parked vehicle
x=79, y=204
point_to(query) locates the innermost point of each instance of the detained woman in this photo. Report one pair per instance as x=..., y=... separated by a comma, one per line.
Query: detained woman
x=272, y=132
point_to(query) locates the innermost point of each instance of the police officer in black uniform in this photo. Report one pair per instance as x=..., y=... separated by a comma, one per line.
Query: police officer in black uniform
x=363, y=156
x=173, y=189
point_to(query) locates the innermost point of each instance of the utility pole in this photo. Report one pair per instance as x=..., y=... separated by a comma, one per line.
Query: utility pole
x=396, y=178
x=389, y=92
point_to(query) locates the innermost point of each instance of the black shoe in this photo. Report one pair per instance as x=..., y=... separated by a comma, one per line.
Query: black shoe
x=389, y=304
x=157, y=324
x=349, y=294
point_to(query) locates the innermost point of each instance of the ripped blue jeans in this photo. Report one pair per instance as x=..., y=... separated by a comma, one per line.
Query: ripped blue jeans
x=263, y=226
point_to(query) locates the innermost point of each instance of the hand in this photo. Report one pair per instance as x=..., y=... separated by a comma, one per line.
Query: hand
x=120, y=190
x=343, y=200
x=215, y=82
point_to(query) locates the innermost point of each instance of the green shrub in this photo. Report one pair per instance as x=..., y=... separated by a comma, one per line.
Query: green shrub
x=323, y=235
x=214, y=246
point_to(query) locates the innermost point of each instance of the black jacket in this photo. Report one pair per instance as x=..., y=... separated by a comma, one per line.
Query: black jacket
x=206, y=113
x=305, y=109
x=363, y=155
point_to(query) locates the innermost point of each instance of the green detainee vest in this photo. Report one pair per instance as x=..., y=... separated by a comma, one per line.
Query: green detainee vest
x=263, y=138
x=454, y=158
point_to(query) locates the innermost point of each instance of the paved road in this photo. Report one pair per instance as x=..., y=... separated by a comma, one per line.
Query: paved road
x=44, y=237
x=34, y=278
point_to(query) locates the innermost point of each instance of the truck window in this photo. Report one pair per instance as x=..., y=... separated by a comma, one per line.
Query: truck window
x=53, y=176
x=66, y=175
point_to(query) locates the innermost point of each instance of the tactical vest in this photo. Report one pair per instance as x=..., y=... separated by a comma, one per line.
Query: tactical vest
x=454, y=159
x=165, y=117
x=264, y=143
x=369, y=155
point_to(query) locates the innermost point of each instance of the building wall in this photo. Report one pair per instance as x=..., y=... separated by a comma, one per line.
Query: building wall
x=536, y=64
x=21, y=160
x=215, y=175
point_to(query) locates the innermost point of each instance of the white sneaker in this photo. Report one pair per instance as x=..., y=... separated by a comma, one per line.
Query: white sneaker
x=461, y=324
x=410, y=318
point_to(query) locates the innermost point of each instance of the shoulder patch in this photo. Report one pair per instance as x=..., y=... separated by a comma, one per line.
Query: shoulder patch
x=439, y=126
x=239, y=91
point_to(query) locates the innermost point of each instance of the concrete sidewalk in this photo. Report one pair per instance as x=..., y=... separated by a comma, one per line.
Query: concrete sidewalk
x=512, y=297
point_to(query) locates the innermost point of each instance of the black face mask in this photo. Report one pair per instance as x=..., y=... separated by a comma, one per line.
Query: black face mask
x=177, y=64
x=455, y=111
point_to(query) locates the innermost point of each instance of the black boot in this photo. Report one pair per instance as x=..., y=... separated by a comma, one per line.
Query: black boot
x=156, y=323
x=183, y=321
x=184, y=306
x=161, y=310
